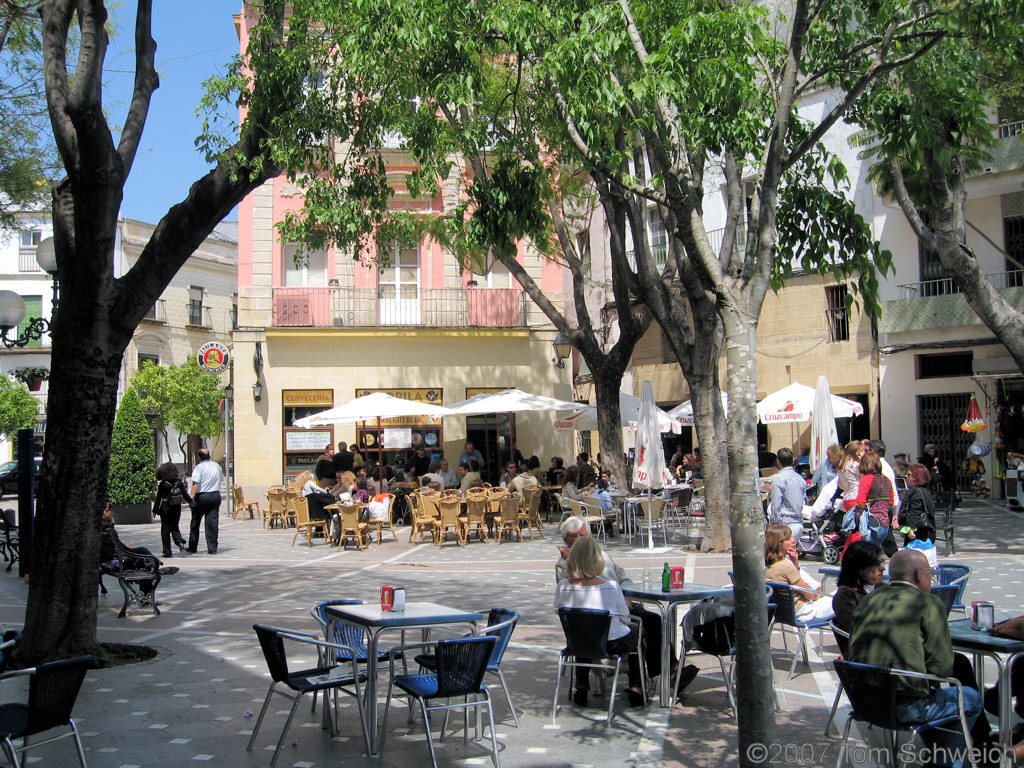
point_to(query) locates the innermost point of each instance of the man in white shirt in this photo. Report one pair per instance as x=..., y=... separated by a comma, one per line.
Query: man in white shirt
x=206, y=480
x=451, y=480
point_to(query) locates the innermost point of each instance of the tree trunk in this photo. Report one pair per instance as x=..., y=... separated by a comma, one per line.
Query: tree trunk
x=753, y=658
x=607, y=381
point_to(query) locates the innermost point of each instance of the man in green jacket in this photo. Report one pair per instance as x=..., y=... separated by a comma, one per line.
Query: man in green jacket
x=904, y=626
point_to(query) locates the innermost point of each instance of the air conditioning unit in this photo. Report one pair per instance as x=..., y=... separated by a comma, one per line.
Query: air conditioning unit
x=1014, y=490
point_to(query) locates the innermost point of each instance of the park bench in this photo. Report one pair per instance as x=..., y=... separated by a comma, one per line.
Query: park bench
x=133, y=572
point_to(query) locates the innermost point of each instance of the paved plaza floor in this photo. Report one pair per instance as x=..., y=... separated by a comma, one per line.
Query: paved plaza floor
x=196, y=702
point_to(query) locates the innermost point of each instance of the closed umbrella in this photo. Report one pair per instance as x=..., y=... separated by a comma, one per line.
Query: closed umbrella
x=823, y=423
x=650, y=456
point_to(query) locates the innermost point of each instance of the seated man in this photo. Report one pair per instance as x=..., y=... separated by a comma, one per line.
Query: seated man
x=903, y=626
x=787, y=494
x=575, y=528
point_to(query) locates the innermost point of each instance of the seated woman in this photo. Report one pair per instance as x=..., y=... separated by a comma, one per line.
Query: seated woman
x=317, y=497
x=782, y=565
x=863, y=566
x=569, y=481
x=583, y=587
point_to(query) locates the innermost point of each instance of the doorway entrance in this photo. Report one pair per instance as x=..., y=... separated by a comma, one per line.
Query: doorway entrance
x=492, y=434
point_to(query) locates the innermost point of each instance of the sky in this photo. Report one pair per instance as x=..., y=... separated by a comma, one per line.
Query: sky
x=195, y=39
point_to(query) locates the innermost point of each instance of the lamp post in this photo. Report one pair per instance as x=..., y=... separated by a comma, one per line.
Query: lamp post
x=13, y=309
x=229, y=392
x=562, y=348
x=257, y=391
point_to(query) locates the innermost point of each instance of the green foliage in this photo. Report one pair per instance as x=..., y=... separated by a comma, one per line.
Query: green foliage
x=194, y=397
x=18, y=409
x=132, y=456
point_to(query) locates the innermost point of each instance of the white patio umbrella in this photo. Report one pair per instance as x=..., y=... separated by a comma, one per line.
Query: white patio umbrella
x=375, y=406
x=795, y=403
x=510, y=401
x=585, y=419
x=650, y=456
x=683, y=413
x=823, y=423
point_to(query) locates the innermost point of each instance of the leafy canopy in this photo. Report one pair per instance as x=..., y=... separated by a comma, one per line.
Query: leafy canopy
x=18, y=409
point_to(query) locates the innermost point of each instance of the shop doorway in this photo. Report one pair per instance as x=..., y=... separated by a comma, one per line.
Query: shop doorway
x=939, y=418
x=492, y=434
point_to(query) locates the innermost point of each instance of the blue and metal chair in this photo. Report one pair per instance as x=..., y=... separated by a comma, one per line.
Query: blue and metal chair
x=954, y=574
x=52, y=691
x=500, y=623
x=327, y=675
x=461, y=665
x=785, y=616
x=872, y=694
x=586, y=635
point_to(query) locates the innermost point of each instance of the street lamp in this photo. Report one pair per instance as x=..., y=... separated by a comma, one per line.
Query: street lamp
x=257, y=391
x=13, y=309
x=562, y=348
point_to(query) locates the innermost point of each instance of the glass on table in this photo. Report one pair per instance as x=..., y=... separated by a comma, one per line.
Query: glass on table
x=647, y=578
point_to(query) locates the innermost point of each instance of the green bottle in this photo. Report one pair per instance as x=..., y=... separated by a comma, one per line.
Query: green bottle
x=666, y=579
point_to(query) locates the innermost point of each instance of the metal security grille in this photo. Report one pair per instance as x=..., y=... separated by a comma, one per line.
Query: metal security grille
x=939, y=418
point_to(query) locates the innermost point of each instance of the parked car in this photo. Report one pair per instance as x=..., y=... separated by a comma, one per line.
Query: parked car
x=9, y=477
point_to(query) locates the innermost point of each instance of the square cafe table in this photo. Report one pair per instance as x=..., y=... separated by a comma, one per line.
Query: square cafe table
x=668, y=603
x=981, y=643
x=375, y=621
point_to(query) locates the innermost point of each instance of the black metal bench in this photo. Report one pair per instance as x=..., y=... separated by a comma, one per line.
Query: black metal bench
x=137, y=574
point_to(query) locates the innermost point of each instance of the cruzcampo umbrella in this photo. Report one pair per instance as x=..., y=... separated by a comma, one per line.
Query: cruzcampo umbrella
x=795, y=403
x=650, y=456
x=585, y=419
x=823, y=423
x=683, y=413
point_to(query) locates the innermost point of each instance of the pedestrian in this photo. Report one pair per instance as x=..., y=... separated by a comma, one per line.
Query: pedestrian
x=206, y=480
x=170, y=494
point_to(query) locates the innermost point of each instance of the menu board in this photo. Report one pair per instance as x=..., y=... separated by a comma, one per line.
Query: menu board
x=306, y=440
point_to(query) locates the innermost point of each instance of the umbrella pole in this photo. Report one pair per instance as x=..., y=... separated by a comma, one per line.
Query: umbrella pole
x=650, y=518
x=380, y=456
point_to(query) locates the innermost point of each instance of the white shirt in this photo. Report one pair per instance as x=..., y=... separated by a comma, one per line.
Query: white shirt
x=887, y=472
x=207, y=476
x=601, y=597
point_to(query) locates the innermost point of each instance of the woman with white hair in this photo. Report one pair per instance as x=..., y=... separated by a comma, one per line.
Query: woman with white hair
x=583, y=587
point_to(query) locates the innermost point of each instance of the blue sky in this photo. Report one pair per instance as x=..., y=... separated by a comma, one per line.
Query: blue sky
x=195, y=39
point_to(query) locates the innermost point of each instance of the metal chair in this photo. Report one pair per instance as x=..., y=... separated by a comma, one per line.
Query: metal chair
x=954, y=574
x=842, y=640
x=325, y=676
x=586, y=636
x=500, y=623
x=947, y=593
x=461, y=665
x=785, y=616
x=650, y=516
x=872, y=694
x=52, y=691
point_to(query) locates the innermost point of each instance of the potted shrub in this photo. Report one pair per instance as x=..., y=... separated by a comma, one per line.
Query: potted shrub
x=132, y=478
x=32, y=377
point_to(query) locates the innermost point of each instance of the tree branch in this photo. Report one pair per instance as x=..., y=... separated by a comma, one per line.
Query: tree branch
x=146, y=81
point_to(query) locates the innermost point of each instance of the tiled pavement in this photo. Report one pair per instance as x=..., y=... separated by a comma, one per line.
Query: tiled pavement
x=192, y=703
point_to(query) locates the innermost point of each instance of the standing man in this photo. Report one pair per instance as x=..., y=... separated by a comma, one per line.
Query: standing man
x=588, y=475
x=344, y=460
x=206, y=480
x=787, y=495
x=419, y=465
x=903, y=626
x=471, y=453
x=324, y=472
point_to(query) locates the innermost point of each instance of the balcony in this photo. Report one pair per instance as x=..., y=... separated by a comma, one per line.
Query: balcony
x=939, y=304
x=156, y=314
x=337, y=307
x=198, y=315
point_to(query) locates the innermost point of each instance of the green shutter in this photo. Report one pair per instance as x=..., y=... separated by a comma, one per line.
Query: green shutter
x=33, y=308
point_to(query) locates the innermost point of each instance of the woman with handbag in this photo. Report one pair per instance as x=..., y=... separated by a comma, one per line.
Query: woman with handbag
x=170, y=494
x=875, y=495
x=917, y=508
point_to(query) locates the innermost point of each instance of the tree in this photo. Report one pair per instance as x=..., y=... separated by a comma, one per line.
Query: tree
x=99, y=312
x=18, y=409
x=183, y=396
x=28, y=159
x=132, y=474
x=929, y=126
x=639, y=98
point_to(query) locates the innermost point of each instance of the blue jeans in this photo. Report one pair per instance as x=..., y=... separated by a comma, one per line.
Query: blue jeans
x=947, y=743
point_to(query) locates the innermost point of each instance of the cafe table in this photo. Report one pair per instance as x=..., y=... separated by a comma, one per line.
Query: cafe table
x=668, y=605
x=983, y=644
x=376, y=621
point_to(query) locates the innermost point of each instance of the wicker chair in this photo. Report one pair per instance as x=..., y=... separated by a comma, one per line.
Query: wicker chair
x=243, y=505
x=477, y=506
x=350, y=527
x=509, y=518
x=277, y=498
x=425, y=517
x=452, y=521
x=303, y=522
x=532, y=496
x=387, y=521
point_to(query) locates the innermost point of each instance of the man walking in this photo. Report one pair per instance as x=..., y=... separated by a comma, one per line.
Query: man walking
x=206, y=480
x=787, y=494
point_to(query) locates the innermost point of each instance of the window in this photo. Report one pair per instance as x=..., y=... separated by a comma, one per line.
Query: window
x=311, y=270
x=144, y=358
x=934, y=280
x=28, y=242
x=659, y=238
x=837, y=317
x=195, y=305
x=1012, y=209
x=945, y=365
x=1011, y=119
x=33, y=308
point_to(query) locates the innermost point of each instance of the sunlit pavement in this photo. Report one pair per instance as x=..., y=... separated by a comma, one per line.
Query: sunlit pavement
x=197, y=700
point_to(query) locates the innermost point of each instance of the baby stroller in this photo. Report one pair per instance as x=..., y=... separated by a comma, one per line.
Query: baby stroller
x=823, y=536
